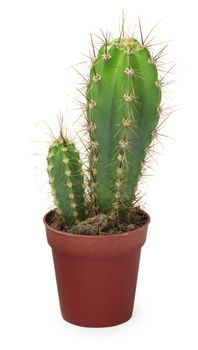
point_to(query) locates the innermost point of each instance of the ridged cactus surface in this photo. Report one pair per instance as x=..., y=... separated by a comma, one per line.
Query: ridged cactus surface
x=66, y=180
x=123, y=99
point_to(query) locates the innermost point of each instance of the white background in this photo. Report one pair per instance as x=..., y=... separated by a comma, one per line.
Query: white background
x=39, y=41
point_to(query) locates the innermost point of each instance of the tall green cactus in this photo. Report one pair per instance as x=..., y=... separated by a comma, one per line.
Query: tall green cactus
x=123, y=109
x=66, y=180
x=123, y=99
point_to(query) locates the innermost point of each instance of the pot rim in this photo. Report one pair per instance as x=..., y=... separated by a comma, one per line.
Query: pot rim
x=99, y=236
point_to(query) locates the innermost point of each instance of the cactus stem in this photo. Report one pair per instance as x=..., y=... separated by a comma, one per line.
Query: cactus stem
x=128, y=114
x=66, y=178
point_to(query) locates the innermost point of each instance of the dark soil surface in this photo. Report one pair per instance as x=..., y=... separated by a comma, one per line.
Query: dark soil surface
x=102, y=224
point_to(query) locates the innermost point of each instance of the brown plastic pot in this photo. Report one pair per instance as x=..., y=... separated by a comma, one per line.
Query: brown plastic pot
x=96, y=275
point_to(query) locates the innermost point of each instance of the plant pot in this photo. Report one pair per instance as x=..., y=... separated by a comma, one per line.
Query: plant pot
x=96, y=275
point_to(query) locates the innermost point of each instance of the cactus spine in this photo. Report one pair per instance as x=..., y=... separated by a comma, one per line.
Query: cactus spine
x=123, y=99
x=66, y=180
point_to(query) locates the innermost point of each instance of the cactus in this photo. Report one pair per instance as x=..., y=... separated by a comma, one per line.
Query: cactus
x=123, y=99
x=66, y=180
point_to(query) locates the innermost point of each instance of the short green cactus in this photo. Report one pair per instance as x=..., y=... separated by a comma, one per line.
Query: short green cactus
x=123, y=97
x=122, y=111
x=66, y=180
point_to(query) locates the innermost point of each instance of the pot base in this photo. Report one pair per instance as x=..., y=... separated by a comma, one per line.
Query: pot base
x=96, y=325
x=96, y=293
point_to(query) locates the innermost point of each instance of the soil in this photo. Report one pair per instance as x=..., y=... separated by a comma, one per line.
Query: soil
x=103, y=224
